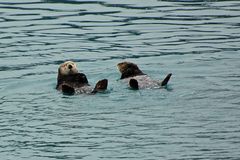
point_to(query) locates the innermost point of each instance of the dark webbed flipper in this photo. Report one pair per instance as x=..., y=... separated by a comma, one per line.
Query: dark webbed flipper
x=133, y=83
x=67, y=90
x=166, y=79
x=100, y=86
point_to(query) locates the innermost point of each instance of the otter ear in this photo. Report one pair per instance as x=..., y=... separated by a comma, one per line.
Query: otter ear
x=67, y=90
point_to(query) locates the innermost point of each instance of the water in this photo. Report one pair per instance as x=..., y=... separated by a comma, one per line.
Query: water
x=197, y=117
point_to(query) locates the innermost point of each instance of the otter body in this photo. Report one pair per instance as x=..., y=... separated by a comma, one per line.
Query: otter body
x=136, y=79
x=70, y=81
x=144, y=81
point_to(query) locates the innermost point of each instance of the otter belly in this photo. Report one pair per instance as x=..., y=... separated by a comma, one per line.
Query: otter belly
x=84, y=89
x=144, y=81
x=77, y=89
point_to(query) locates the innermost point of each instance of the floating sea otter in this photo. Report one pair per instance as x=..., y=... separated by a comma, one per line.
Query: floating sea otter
x=70, y=81
x=137, y=79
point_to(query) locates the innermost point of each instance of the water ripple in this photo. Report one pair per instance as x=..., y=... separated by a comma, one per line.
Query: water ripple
x=196, y=40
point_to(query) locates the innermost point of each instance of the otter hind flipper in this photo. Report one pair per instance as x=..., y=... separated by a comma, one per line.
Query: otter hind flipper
x=100, y=86
x=133, y=83
x=67, y=90
x=166, y=79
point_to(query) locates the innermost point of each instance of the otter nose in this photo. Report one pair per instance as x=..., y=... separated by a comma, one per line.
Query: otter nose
x=70, y=66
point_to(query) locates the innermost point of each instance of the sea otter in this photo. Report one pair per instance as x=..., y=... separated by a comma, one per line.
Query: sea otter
x=137, y=79
x=70, y=81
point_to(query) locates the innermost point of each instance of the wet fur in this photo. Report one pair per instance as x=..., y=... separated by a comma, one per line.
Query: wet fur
x=70, y=81
x=136, y=79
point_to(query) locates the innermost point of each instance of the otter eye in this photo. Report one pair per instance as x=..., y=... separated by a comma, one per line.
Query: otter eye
x=70, y=66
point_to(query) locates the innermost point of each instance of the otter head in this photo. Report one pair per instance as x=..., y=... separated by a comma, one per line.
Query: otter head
x=67, y=68
x=128, y=69
x=66, y=72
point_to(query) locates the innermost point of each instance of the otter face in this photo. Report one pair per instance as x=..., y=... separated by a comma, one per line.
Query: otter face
x=127, y=66
x=67, y=68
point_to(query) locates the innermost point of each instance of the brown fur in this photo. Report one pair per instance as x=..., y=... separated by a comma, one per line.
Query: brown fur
x=70, y=81
x=129, y=69
x=137, y=79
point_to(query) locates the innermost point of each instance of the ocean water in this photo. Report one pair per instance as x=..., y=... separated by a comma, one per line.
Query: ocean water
x=196, y=117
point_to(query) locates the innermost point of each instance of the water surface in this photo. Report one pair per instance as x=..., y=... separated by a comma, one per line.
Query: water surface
x=197, y=117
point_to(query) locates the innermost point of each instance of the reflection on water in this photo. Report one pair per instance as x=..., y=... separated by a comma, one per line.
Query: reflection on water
x=196, y=40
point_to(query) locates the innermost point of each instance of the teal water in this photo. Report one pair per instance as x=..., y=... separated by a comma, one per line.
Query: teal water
x=197, y=117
